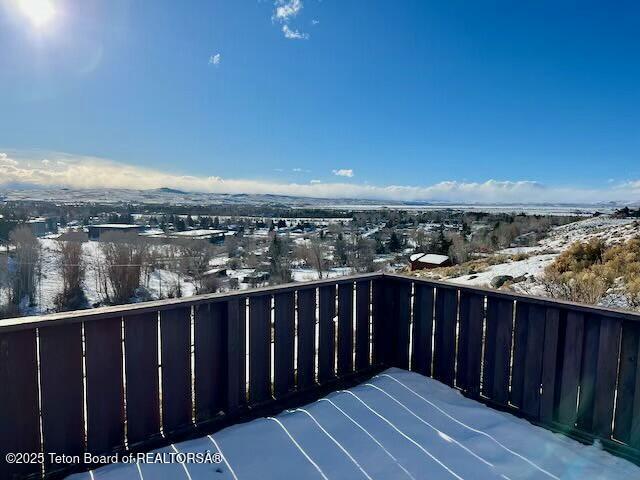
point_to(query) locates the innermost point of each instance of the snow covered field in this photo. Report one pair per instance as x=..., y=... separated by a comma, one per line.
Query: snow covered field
x=399, y=425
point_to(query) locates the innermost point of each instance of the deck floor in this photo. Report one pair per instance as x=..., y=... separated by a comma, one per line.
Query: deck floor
x=399, y=425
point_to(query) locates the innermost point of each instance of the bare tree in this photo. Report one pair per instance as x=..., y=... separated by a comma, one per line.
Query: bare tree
x=24, y=267
x=362, y=255
x=72, y=270
x=124, y=255
x=196, y=256
x=314, y=253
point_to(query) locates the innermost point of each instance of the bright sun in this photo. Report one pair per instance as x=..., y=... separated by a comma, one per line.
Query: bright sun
x=40, y=12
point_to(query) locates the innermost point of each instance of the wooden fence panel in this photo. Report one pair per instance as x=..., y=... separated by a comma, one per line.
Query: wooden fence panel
x=422, y=329
x=571, y=347
x=498, y=349
x=284, y=338
x=259, y=349
x=236, y=354
x=519, y=353
x=470, y=343
x=400, y=322
x=550, y=365
x=141, y=367
x=210, y=345
x=19, y=419
x=607, y=366
x=533, y=360
x=381, y=296
x=306, y=337
x=363, y=301
x=345, y=328
x=588, y=372
x=327, y=335
x=445, y=335
x=105, y=389
x=62, y=390
x=627, y=426
x=175, y=342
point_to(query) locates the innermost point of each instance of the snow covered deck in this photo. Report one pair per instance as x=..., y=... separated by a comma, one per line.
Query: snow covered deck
x=399, y=425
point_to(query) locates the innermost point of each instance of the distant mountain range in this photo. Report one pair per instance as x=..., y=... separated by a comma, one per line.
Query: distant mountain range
x=172, y=196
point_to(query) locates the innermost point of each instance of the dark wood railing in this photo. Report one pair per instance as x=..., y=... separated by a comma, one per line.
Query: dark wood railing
x=136, y=377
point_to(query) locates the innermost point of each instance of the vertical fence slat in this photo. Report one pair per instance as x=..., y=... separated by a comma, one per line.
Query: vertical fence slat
x=210, y=359
x=381, y=295
x=327, y=343
x=550, y=364
x=519, y=353
x=533, y=360
x=19, y=421
x=306, y=337
x=236, y=354
x=445, y=335
x=62, y=390
x=141, y=366
x=175, y=333
x=422, y=329
x=628, y=403
x=588, y=373
x=259, y=348
x=498, y=349
x=105, y=392
x=284, y=327
x=345, y=328
x=571, y=347
x=470, y=343
x=401, y=323
x=607, y=365
x=363, y=290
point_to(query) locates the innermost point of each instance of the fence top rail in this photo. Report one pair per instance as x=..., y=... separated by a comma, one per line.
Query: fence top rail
x=25, y=323
x=546, y=301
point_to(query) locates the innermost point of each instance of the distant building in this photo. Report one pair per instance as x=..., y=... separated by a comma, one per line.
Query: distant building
x=96, y=231
x=426, y=261
x=213, y=236
x=38, y=227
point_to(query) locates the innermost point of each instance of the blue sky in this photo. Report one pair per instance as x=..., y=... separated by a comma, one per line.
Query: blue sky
x=540, y=99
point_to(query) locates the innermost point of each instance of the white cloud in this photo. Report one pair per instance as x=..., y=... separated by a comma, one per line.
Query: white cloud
x=89, y=172
x=343, y=172
x=315, y=22
x=294, y=34
x=287, y=9
x=315, y=181
x=215, y=59
x=5, y=160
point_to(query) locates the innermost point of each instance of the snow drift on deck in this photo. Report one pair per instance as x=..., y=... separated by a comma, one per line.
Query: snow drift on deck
x=399, y=425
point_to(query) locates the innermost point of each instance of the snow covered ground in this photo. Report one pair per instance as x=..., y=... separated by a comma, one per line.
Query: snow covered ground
x=610, y=230
x=399, y=425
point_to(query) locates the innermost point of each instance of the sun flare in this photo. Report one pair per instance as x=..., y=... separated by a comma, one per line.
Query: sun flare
x=39, y=12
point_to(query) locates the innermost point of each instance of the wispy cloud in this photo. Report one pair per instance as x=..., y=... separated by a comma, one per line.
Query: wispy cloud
x=66, y=170
x=343, y=172
x=294, y=34
x=285, y=11
x=215, y=59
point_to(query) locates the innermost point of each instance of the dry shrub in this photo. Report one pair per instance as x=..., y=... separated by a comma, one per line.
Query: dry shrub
x=586, y=271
